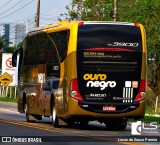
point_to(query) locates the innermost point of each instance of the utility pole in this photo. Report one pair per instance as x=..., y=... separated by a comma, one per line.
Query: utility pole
x=38, y=14
x=115, y=14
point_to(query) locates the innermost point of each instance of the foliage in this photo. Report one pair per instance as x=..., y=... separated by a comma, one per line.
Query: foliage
x=6, y=49
x=2, y=41
x=150, y=118
x=147, y=13
x=89, y=10
x=150, y=101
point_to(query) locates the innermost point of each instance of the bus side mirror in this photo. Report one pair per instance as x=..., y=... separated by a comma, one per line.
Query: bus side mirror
x=14, y=56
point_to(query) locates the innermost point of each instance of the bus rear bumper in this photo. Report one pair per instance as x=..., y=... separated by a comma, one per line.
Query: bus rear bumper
x=129, y=110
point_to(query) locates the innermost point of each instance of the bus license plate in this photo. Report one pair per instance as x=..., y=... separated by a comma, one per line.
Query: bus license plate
x=109, y=108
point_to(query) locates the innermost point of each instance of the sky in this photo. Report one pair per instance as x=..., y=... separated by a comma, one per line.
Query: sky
x=12, y=11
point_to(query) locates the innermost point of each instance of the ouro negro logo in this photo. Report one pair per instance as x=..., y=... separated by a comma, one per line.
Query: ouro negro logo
x=98, y=80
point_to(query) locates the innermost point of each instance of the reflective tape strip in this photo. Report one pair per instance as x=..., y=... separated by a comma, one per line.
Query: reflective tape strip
x=127, y=95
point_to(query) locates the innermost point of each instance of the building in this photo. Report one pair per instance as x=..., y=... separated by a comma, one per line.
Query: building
x=15, y=32
x=20, y=32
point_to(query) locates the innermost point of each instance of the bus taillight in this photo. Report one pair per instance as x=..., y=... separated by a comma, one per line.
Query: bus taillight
x=141, y=94
x=74, y=91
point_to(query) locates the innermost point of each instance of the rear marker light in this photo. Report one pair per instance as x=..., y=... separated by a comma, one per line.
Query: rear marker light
x=137, y=25
x=80, y=23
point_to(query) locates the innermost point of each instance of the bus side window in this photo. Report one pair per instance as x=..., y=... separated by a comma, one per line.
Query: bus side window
x=31, y=51
x=42, y=48
x=51, y=53
x=17, y=52
x=51, y=57
x=55, y=84
x=48, y=86
x=61, y=40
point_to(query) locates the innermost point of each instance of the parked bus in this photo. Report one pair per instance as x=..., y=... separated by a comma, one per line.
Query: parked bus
x=76, y=72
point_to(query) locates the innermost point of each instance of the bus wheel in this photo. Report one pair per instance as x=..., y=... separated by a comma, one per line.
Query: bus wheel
x=26, y=112
x=54, y=117
x=117, y=124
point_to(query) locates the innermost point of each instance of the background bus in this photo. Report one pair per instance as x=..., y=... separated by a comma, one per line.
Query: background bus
x=83, y=71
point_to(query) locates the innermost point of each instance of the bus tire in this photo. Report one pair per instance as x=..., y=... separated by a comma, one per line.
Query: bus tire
x=117, y=124
x=54, y=117
x=26, y=112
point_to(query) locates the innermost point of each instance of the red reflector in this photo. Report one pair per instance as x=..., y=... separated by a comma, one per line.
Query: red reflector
x=137, y=25
x=148, y=83
x=74, y=90
x=80, y=24
x=142, y=86
x=74, y=85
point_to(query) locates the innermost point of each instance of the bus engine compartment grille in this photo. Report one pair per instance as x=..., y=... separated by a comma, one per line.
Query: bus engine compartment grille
x=109, y=66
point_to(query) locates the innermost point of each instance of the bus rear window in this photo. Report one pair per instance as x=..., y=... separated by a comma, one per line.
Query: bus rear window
x=101, y=36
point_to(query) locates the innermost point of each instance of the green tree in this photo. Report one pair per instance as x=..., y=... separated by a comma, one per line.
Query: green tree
x=6, y=49
x=89, y=10
x=2, y=41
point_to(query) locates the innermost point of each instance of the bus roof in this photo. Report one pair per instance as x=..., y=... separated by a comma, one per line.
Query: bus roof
x=67, y=24
x=84, y=22
x=49, y=26
x=108, y=22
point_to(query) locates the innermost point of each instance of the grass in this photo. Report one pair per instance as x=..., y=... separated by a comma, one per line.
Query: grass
x=146, y=119
x=151, y=118
x=8, y=99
